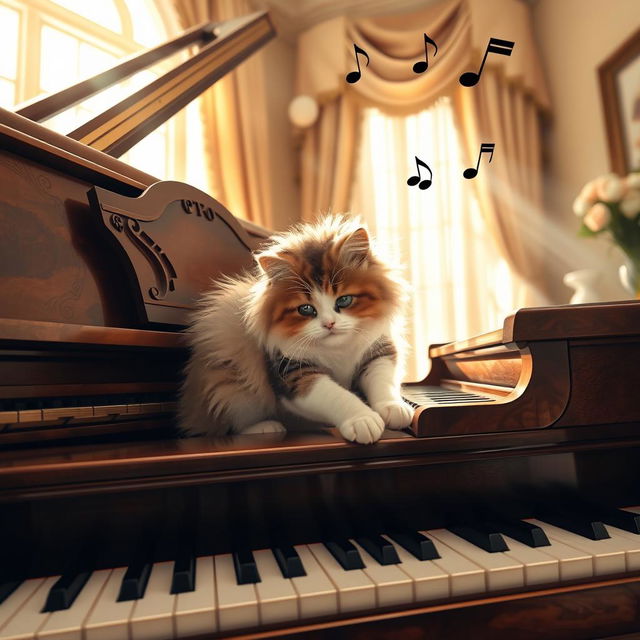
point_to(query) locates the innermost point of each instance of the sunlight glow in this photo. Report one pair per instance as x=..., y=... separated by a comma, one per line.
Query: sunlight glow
x=102, y=12
x=459, y=284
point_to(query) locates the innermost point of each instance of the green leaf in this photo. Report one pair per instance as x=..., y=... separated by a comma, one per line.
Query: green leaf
x=585, y=232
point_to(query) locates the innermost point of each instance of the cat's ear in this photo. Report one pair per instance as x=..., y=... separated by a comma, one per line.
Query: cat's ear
x=355, y=247
x=274, y=265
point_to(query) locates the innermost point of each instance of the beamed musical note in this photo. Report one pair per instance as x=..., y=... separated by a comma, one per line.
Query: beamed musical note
x=417, y=180
x=501, y=47
x=485, y=147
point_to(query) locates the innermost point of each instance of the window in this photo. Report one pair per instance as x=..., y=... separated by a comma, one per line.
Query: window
x=459, y=284
x=50, y=44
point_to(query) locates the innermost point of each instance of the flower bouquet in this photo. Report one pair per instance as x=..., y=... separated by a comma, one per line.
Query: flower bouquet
x=610, y=205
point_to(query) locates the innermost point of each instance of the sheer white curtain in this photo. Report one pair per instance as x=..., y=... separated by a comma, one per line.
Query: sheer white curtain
x=459, y=284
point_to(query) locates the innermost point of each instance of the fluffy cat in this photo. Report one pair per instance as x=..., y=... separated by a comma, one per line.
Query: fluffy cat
x=315, y=325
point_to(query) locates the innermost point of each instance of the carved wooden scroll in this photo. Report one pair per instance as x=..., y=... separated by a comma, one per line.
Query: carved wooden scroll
x=174, y=240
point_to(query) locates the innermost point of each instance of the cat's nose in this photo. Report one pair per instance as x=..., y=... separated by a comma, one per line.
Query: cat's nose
x=328, y=324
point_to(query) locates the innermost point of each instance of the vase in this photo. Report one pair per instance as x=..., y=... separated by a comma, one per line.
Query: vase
x=582, y=282
x=629, y=274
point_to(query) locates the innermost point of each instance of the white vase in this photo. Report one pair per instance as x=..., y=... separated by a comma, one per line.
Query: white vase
x=583, y=283
x=629, y=277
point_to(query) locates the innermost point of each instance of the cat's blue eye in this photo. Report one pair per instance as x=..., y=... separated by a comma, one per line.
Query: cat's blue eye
x=307, y=310
x=343, y=301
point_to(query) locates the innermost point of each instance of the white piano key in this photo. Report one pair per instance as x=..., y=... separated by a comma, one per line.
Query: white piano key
x=430, y=582
x=573, y=563
x=152, y=615
x=109, y=619
x=502, y=571
x=628, y=541
x=465, y=577
x=539, y=568
x=67, y=623
x=277, y=599
x=13, y=603
x=317, y=594
x=392, y=585
x=26, y=621
x=355, y=589
x=607, y=555
x=196, y=611
x=237, y=603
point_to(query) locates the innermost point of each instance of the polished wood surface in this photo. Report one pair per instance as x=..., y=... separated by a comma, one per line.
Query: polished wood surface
x=548, y=367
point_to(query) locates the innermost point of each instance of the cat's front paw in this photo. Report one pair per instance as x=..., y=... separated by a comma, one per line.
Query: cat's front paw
x=395, y=413
x=364, y=429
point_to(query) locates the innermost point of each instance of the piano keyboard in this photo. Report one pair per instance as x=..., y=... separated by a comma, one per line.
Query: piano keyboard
x=230, y=593
x=430, y=395
x=27, y=413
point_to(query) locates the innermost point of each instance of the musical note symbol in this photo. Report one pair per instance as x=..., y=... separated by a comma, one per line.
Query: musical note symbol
x=485, y=147
x=421, y=67
x=414, y=180
x=354, y=76
x=501, y=47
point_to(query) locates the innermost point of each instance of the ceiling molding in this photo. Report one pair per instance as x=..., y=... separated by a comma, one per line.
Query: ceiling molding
x=290, y=18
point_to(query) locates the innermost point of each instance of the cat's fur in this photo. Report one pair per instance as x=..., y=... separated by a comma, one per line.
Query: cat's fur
x=256, y=361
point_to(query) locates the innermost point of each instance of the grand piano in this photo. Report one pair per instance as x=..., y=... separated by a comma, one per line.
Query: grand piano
x=509, y=509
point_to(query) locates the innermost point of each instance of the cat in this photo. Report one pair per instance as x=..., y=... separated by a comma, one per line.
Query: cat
x=316, y=326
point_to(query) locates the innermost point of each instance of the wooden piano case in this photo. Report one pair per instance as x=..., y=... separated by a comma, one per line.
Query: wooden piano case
x=94, y=289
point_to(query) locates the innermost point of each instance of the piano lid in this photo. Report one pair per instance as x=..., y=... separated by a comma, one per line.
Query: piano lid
x=120, y=127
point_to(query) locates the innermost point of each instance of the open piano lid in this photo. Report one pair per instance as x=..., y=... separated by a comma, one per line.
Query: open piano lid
x=168, y=239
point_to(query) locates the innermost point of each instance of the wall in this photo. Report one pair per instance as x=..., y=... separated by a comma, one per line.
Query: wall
x=574, y=37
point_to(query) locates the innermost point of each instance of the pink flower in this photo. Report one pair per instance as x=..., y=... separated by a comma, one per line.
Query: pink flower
x=610, y=188
x=588, y=192
x=630, y=204
x=597, y=217
x=581, y=206
x=633, y=180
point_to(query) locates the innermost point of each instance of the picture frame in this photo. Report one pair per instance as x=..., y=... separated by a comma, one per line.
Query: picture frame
x=619, y=78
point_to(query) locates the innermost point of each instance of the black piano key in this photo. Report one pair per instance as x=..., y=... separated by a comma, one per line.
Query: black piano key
x=135, y=581
x=577, y=523
x=184, y=573
x=289, y=561
x=484, y=538
x=621, y=519
x=417, y=544
x=525, y=532
x=345, y=553
x=65, y=590
x=245, y=566
x=7, y=588
x=379, y=549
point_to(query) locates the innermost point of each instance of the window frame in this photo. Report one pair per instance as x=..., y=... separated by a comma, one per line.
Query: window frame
x=34, y=14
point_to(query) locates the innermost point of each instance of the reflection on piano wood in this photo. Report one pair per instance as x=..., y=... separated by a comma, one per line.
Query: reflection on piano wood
x=545, y=368
x=511, y=513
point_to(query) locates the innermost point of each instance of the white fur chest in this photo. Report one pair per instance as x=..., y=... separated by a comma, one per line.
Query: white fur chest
x=342, y=363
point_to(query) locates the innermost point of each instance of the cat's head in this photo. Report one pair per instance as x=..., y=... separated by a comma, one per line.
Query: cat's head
x=322, y=287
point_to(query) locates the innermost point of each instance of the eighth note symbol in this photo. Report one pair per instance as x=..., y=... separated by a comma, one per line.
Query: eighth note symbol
x=353, y=76
x=422, y=65
x=485, y=147
x=414, y=180
x=501, y=47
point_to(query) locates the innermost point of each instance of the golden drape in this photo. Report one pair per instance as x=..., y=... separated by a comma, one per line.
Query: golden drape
x=503, y=108
x=235, y=124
